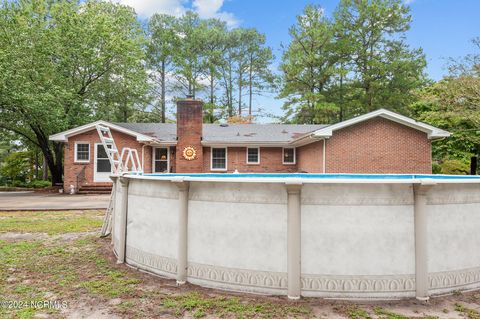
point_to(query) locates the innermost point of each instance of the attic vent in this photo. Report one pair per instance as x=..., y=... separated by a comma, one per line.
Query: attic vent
x=284, y=131
x=224, y=125
x=238, y=134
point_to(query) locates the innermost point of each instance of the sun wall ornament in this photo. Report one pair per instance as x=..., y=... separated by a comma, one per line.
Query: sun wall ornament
x=189, y=153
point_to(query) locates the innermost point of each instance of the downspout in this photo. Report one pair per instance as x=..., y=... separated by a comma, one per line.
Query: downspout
x=324, y=151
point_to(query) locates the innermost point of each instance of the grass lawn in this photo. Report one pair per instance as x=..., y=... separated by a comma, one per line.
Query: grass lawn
x=58, y=256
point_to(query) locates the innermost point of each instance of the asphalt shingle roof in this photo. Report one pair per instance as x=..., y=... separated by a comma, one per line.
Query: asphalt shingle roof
x=235, y=133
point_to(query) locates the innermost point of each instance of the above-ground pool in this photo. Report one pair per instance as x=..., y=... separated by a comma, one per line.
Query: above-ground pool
x=325, y=235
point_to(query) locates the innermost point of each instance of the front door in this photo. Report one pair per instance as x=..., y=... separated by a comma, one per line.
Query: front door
x=102, y=167
x=161, y=160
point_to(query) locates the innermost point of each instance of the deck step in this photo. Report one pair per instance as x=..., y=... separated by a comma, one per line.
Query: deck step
x=95, y=189
x=83, y=192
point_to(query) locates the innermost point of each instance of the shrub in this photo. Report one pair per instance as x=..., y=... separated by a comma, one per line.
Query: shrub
x=39, y=184
x=17, y=183
x=17, y=166
x=455, y=167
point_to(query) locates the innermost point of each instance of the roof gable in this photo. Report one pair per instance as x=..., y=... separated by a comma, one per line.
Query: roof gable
x=250, y=134
x=431, y=131
x=63, y=136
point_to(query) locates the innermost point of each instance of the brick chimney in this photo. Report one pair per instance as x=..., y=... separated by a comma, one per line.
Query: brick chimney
x=189, y=136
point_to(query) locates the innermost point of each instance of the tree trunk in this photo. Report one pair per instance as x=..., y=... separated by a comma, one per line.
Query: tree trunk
x=240, y=84
x=212, y=79
x=37, y=164
x=125, y=112
x=54, y=158
x=45, y=169
x=250, y=83
x=163, y=100
x=54, y=161
x=230, y=88
x=211, y=107
x=342, y=115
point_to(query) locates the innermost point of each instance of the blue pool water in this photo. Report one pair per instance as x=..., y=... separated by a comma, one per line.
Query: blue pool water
x=325, y=176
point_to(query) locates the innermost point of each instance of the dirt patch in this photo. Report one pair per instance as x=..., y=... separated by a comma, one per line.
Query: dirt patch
x=79, y=268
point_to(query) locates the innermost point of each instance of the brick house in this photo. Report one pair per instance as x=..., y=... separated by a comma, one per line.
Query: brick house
x=377, y=142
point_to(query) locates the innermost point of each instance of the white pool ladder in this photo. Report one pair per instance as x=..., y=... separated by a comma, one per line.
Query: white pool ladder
x=110, y=147
x=126, y=162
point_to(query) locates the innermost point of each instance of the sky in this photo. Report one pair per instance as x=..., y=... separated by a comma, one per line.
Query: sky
x=442, y=28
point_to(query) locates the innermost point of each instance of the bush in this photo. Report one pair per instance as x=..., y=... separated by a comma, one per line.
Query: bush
x=39, y=184
x=32, y=184
x=18, y=183
x=436, y=168
x=455, y=167
x=17, y=166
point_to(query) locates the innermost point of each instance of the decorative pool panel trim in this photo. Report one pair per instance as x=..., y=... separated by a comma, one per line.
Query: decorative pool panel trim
x=167, y=266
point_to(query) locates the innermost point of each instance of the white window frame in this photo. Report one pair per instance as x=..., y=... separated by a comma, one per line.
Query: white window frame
x=226, y=160
x=154, y=158
x=294, y=156
x=258, y=156
x=76, y=160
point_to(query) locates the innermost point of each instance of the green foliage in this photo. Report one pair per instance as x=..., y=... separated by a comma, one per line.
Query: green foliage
x=451, y=104
x=467, y=312
x=65, y=63
x=308, y=66
x=384, y=68
x=17, y=166
x=193, y=56
x=386, y=314
x=160, y=51
x=454, y=167
x=352, y=64
x=454, y=105
x=39, y=184
x=50, y=222
x=200, y=305
x=355, y=312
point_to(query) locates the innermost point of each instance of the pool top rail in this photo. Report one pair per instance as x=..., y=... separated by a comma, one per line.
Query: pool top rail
x=307, y=178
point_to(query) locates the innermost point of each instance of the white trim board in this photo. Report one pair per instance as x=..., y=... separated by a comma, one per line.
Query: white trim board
x=432, y=132
x=63, y=136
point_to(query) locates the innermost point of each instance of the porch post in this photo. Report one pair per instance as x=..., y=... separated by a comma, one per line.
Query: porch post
x=123, y=211
x=182, y=258
x=421, y=251
x=293, y=240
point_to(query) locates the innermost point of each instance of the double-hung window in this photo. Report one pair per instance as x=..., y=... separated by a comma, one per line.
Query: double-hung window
x=253, y=155
x=82, y=152
x=289, y=156
x=161, y=160
x=219, y=159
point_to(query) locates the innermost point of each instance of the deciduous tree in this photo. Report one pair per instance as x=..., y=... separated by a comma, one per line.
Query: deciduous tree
x=60, y=61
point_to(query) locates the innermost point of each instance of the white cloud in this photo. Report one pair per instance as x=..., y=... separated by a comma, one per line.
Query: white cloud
x=229, y=18
x=212, y=9
x=149, y=7
x=205, y=8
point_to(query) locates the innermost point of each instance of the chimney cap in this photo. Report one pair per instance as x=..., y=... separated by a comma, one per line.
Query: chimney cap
x=189, y=97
